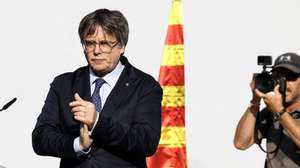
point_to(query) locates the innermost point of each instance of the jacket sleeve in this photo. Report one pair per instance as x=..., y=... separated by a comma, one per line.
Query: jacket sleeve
x=141, y=136
x=48, y=137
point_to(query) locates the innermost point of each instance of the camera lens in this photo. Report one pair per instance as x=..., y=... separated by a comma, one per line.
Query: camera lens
x=264, y=82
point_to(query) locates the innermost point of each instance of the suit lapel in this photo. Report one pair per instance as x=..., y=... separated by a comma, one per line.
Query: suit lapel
x=81, y=84
x=124, y=87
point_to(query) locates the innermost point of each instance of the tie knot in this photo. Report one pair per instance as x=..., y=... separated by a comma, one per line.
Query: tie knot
x=99, y=82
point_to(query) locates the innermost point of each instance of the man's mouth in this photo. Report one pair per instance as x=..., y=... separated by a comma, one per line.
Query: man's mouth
x=98, y=61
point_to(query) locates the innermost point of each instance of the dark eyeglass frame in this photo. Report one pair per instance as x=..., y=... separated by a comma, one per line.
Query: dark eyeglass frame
x=104, y=45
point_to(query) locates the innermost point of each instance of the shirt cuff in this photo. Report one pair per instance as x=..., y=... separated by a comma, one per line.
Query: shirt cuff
x=76, y=146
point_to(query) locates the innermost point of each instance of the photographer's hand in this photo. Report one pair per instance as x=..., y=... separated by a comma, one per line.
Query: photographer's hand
x=273, y=100
x=255, y=98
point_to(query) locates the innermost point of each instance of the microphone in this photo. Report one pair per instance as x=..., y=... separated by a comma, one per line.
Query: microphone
x=8, y=104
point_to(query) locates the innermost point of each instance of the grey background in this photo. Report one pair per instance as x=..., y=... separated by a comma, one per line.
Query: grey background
x=222, y=39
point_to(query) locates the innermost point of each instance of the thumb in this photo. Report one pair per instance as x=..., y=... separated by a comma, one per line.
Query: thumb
x=276, y=89
x=85, y=127
x=77, y=97
x=259, y=93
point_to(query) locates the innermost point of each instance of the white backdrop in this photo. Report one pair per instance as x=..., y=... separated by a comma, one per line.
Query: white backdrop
x=38, y=40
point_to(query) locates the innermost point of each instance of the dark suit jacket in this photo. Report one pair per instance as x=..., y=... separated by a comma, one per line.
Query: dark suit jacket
x=128, y=128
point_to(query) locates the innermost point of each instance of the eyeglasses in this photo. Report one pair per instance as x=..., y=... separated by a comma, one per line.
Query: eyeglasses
x=105, y=46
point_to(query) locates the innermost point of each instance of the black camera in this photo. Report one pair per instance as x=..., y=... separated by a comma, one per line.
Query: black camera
x=264, y=81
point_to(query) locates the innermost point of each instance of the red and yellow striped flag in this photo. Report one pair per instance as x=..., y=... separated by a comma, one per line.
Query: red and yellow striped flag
x=171, y=152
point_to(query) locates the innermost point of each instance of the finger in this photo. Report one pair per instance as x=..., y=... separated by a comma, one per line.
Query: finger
x=252, y=83
x=271, y=93
x=85, y=127
x=254, y=76
x=79, y=118
x=76, y=103
x=78, y=109
x=260, y=94
x=77, y=97
x=81, y=128
x=81, y=114
x=276, y=89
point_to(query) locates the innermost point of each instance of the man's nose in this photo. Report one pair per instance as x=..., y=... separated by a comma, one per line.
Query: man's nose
x=97, y=49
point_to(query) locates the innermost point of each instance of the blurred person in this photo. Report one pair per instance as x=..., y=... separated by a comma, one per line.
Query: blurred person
x=279, y=121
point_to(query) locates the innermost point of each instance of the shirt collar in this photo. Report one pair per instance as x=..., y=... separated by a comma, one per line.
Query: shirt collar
x=110, y=78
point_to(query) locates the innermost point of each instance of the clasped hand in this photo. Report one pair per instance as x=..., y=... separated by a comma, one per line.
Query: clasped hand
x=83, y=111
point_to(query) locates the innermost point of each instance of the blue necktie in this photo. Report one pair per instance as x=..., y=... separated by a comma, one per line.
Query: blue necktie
x=96, y=94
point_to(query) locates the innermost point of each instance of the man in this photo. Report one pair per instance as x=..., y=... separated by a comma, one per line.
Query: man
x=106, y=114
x=279, y=122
